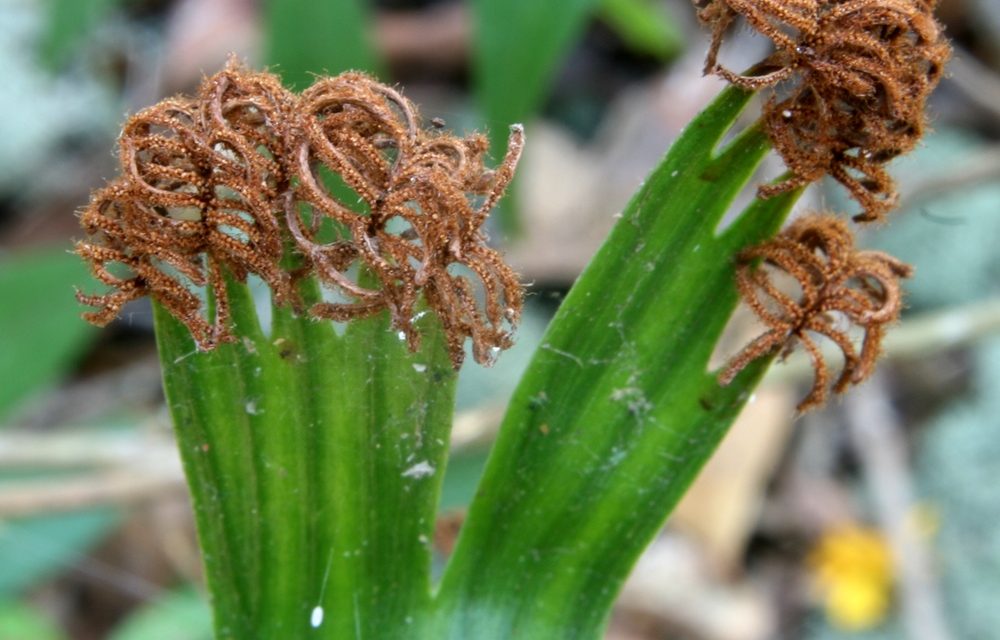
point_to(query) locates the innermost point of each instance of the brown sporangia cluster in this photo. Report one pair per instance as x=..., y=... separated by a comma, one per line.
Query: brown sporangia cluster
x=845, y=295
x=851, y=79
x=421, y=230
x=220, y=183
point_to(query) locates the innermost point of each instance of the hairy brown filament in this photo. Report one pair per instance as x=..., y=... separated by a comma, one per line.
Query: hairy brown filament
x=839, y=289
x=854, y=79
x=427, y=194
x=219, y=184
x=195, y=196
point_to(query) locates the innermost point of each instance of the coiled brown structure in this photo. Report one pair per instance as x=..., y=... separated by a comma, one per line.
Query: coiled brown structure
x=218, y=185
x=852, y=78
x=194, y=198
x=427, y=195
x=838, y=285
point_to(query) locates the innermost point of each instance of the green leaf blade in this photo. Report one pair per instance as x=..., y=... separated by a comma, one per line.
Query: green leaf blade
x=37, y=548
x=69, y=25
x=644, y=25
x=43, y=334
x=319, y=484
x=617, y=412
x=306, y=38
x=179, y=615
x=518, y=47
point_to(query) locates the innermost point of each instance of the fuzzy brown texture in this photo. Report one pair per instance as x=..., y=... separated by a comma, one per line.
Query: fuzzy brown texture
x=852, y=78
x=195, y=196
x=838, y=285
x=783, y=21
x=219, y=184
x=427, y=195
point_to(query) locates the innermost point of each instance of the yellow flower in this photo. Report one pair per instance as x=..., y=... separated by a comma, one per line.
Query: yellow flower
x=853, y=570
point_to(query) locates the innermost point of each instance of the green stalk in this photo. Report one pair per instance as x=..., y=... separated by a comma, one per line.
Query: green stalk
x=315, y=463
x=617, y=411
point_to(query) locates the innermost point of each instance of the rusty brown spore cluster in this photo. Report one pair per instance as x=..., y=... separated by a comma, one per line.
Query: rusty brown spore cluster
x=421, y=223
x=840, y=289
x=848, y=83
x=221, y=182
x=851, y=80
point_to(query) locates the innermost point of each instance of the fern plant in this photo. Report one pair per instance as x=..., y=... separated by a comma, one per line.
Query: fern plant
x=315, y=446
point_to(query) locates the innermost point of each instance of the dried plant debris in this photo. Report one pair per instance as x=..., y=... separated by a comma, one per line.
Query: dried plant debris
x=847, y=296
x=852, y=79
x=220, y=184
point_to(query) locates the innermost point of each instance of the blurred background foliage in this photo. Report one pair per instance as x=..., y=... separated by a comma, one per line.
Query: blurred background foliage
x=96, y=540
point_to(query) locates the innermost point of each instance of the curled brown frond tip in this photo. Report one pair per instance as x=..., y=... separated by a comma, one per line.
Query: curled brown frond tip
x=854, y=79
x=847, y=296
x=217, y=185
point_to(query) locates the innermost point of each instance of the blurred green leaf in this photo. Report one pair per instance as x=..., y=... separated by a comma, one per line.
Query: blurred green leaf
x=618, y=411
x=39, y=321
x=32, y=549
x=645, y=25
x=460, y=480
x=19, y=621
x=519, y=44
x=180, y=615
x=69, y=24
x=306, y=37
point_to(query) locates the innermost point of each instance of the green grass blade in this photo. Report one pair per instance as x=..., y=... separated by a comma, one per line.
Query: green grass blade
x=69, y=24
x=645, y=25
x=306, y=37
x=36, y=549
x=42, y=334
x=179, y=615
x=315, y=463
x=617, y=412
x=23, y=620
x=519, y=45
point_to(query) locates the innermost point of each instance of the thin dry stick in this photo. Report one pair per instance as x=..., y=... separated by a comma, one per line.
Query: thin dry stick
x=878, y=441
x=115, y=487
x=914, y=338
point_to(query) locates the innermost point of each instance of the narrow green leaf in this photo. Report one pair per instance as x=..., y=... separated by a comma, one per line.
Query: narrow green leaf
x=519, y=45
x=21, y=621
x=68, y=25
x=315, y=463
x=305, y=37
x=645, y=26
x=617, y=412
x=42, y=334
x=181, y=615
x=34, y=549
